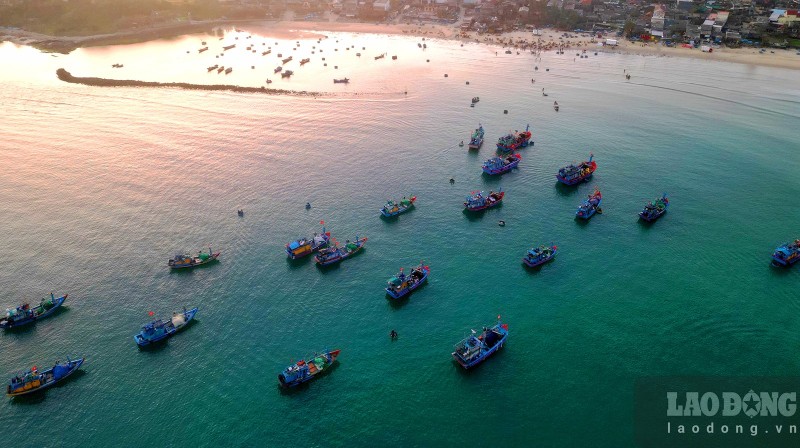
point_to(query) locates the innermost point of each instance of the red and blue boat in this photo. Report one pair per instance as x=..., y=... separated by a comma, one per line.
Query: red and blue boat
x=401, y=284
x=335, y=254
x=394, y=208
x=306, y=370
x=538, y=256
x=787, y=254
x=500, y=165
x=304, y=246
x=474, y=349
x=34, y=380
x=654, y=209
x=514, y=141
x=478, y=200
x=25, y=314
x=476, y=141
x=162, y=329
x=590, y=206
x=575, y=174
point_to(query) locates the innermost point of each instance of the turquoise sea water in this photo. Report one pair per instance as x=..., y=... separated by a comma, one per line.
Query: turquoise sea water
x=100, y=186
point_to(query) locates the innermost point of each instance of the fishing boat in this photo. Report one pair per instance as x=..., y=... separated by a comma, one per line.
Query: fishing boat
x=538, y=256
x=335, y=254
x=221, y=69
x=264, y=53
x=787, y=254
x=286, y=60
x=278, y=69
x=475, y=99
x=394, y=208
x=380, y=57
x=287, y=74
x=302, y=371
x=213, y=67
x=500, y=165
x=402, y=284
x=655, y=208
x=478, y=200
x=475, y=348
x=341, y=81
x=228, y=47
x=476, y=140
x=304, y=61
x=590, y=206
x=574, y=174
x=161, y=329
x=555, y=105
x=25, y=314
x=228, y=70
x=184, y=261
x=304, y=246
x=34, y=380
x=202, y=49
x=514, y=141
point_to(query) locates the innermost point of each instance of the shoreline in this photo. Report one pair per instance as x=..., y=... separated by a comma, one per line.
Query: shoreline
x=549, y=39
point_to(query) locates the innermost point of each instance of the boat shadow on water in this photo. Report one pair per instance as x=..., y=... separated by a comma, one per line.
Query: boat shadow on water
x=38, y=397
x=291, y=391
x=155, y=347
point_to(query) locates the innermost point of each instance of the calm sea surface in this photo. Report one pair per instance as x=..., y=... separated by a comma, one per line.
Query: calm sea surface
x=99, y=186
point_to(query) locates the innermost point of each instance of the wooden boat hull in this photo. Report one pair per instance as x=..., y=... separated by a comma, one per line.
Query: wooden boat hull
x=342, y=255
x=287, y=382
x=141, y=341
x=534, y=263
x=398, y=295
x=6, y=324
x=494, y=349
x=579, y=179
x=651, y=218
x=487, y=204
x=193, y=264
x=502, y=170
x=74, y=366
x=476, y=145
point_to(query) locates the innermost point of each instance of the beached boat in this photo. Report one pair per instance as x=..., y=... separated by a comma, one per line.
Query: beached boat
x=304, y=61
x=402, y=284
x=500, y=165
x=25, y=314
x=475, y=348
x=278, y=69
x=787, y=254
x=590, y=206
x=394, y=208
x=161, y=329
x=476, y=140
x=514, y=141
x=478, y=200
x=335, y=254
x=286, y=60
x=304, y=246
x=34, y=380
x=538, y=256
x=287, y=74
x=302, y=371
x=184, y=261
x=341, y=81
x=574, y=174
x=655, y=208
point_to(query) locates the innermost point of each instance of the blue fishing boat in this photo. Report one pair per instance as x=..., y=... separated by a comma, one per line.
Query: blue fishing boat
x=25, y=314
x=475, y=348
x=402, y=284
x=335, y=254
x=302, y=371
x=478, y=200
x=161, y=329
x=305, y=246
x=654, y=209
x=787, y=254
x=514, y=141
x=394, y=208
x=574, y=174
x=590, y=206
x=34, y=380
x=500, y=165
x=476, y=140
x=181, y=261
x=538, y=256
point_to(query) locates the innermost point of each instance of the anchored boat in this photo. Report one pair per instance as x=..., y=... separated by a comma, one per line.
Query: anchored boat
x=161, y=329
x=478, y=200
x=475, y=348
x=335, y=254
x=787, y=254
x=394, y=208
x=500, y=165
x=25, y=314
x=590, y=206
x=185, y=261
x=476, y=140
x=574, y=174
x=655, y=208
x=302, y=371
x=514, y=141
x=305, y=246
x=287, y=74
x=34, y=380
x=305, y=61
x=341, y=81
x=402, y=284
x=538, y=256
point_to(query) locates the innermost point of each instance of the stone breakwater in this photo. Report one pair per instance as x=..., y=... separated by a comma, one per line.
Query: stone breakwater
x=66, y=76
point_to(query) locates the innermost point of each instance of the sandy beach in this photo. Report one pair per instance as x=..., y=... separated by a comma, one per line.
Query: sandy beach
x=547, y=40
